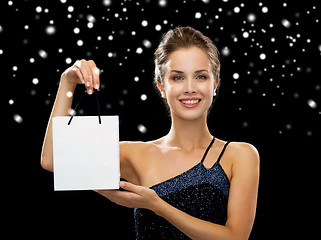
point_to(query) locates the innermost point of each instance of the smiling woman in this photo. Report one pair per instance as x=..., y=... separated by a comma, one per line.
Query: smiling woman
x=187, y=184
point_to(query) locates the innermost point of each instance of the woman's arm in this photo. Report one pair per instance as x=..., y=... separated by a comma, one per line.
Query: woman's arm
x=241, y=204
x=82, y=72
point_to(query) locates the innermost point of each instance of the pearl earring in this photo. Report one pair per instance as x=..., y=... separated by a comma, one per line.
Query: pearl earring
x=214, y=94
x=163, y=94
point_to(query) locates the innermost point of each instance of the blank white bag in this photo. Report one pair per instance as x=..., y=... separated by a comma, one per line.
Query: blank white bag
x=86, y=153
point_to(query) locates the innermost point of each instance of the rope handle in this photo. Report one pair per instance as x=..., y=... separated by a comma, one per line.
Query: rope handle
x=98, y=107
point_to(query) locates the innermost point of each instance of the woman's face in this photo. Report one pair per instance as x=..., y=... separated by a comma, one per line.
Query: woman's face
x=189, y=83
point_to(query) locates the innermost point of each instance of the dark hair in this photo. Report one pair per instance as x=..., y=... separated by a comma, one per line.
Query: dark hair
x=184, y=37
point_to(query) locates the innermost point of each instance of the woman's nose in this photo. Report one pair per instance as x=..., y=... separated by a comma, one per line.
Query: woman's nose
x=190, y=86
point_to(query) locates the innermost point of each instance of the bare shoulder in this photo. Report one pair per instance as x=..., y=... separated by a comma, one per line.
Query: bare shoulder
x=244, y=155
x=243, y=148
x=133, y=148
x=136, y=145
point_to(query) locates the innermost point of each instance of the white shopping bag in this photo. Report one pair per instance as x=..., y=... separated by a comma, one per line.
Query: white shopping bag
x=86, y=153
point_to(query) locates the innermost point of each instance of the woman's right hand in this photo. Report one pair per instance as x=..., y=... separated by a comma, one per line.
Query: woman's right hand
x=83, y=72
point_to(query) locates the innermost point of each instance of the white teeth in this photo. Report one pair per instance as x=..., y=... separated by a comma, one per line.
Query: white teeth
x=190, y=102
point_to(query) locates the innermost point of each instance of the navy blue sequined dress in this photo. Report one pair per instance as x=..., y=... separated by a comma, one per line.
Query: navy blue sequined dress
x=199, y=192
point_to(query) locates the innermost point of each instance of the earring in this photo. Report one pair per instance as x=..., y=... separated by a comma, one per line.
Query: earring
x=214, y=94
x=163, y=94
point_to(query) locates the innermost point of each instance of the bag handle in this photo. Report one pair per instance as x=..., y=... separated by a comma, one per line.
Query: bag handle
x=98, y=106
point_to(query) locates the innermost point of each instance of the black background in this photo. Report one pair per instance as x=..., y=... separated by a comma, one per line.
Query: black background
x=273, y=102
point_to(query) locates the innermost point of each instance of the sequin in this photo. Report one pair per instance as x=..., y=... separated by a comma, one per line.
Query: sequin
x=199, y=192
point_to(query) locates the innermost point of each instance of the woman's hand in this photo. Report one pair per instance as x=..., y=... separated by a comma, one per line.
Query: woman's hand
x=134, y=196
x=83, y=72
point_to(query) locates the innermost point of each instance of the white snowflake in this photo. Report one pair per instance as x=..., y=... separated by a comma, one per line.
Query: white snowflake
x=142, y=128
x=198, y=15
x=144, y=23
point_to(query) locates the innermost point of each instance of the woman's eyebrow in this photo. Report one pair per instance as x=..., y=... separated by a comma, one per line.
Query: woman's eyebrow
x=177, y=71
x=202, y=70
x=198, y=71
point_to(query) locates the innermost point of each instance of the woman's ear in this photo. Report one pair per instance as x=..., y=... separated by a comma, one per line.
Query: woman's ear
x=161, y=89
x=216, y=85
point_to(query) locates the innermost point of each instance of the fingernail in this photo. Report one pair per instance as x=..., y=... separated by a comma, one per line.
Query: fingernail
x=121, y=184
x=96, y=86
x=87, y=84
x=90, y=91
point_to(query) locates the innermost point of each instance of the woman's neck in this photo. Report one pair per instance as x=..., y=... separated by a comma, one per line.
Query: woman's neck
x=188, y=134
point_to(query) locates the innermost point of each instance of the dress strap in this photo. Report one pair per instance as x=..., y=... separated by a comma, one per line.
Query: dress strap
x=219, y=158
x=208, y=148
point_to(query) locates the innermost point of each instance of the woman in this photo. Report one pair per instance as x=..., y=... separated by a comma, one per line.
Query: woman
x=187, y=183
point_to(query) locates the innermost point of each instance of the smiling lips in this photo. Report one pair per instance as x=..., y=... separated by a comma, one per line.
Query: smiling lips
x=190, y=102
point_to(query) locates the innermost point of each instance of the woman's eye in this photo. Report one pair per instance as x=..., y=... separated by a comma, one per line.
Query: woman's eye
x=177, y=78
x=201, y=77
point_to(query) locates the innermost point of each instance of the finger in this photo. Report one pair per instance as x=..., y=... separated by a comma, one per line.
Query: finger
x=116, y=196
x=79, y=75
x=96, y=78
x=87, y=74
x=78, y=63
x=90, y=85
x=85, y=71
x=95, y=73
x=130, y=187
x=76, y=67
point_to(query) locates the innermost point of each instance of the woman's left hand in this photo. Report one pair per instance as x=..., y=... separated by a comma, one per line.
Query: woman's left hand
x=134, y=197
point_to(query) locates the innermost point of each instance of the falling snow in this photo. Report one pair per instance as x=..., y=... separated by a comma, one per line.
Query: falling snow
x=312, y=103
x=198, y=15
x=147, y=43
x=269, y=92
x=225, y=51
x=50, y=30
x=162, y=3
x=286, y=23
x=42, y=53
x=236, y=76
x=35, y=81
x=262, y=56
x=139, y=50
x=266, y=49
x=144, y=23
x=17, y=118
x=142, y=128
x=251, y=17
